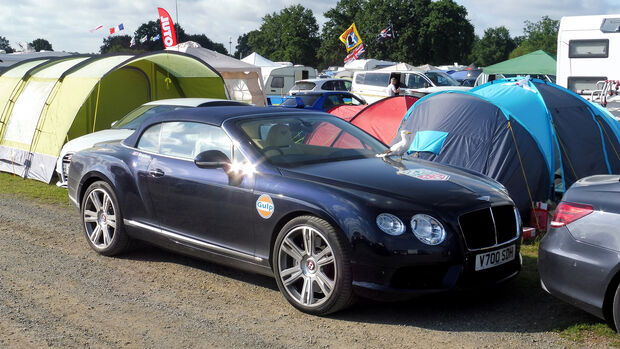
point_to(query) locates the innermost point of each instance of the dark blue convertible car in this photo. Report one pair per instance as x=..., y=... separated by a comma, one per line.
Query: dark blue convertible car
x=299, y=195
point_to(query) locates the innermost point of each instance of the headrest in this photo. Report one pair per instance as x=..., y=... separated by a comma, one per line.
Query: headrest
x=279, y=135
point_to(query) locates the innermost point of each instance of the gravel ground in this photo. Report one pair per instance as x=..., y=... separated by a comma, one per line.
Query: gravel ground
x=56, y=292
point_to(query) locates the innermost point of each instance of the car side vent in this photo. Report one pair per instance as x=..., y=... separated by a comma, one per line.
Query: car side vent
x=489, y=227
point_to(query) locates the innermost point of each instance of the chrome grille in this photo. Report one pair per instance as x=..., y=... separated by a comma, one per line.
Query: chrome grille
x=489, y=227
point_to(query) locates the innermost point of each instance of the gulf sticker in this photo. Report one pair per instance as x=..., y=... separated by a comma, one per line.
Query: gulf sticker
x=425, y=175
x=264, y=206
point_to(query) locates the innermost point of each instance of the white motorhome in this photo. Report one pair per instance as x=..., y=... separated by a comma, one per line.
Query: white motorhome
x=279, y=80
x=588, y=52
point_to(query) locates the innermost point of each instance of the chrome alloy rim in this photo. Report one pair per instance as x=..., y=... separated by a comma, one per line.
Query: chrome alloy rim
x=307, y=266
x=100, y=218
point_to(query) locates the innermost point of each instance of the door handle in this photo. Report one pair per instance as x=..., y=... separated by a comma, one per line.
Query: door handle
x=156, y=173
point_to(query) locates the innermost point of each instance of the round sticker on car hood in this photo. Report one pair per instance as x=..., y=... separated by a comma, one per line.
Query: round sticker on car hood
x=264, y=206
x=425, y=174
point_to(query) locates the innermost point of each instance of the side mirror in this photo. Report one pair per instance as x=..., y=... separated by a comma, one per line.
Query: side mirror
x=212, y=159
x=299, y=103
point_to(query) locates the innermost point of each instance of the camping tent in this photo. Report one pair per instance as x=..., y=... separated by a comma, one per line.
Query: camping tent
x=44, y=102
x=243, y=80
x=534, y=63
x=520, y=132
x=380, y=119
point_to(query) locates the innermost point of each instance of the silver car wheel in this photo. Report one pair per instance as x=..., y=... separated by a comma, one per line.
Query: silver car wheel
x=100, y=218
x=307, y=267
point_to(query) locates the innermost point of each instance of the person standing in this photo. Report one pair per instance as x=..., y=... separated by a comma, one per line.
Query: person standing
x=393, y=89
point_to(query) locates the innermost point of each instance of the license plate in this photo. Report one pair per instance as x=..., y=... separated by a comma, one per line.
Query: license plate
x=495, y=258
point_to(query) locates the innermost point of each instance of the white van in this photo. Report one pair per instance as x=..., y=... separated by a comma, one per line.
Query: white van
x=372, y=85
x=588, y=52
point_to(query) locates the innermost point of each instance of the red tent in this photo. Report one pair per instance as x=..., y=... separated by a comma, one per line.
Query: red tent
x=380, y=119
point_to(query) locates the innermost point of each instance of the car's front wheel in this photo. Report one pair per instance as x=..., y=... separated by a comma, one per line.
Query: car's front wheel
x=312, y=266
x=102, y=220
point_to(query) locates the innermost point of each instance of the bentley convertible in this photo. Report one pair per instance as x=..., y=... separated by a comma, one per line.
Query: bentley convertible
x=301, y=196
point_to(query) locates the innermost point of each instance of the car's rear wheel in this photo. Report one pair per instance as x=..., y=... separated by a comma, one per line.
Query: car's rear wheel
x=312, y=266
x=102, y=220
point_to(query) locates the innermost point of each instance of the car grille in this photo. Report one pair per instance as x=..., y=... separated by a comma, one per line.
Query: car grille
x=489, y=227
x=66, y=161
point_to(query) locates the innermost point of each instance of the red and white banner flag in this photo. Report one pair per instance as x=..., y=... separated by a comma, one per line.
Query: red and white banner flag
x=167, y=28
x=99, y=27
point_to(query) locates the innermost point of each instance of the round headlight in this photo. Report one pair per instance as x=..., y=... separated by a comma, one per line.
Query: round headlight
x=427, y=229
x=390, y=224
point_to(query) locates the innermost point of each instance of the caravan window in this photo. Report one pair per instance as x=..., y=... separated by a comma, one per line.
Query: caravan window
x=610, y=25
x=277, y=82
x=377, y=79
x=582, y=83
x=588, y=48
x=359, y=79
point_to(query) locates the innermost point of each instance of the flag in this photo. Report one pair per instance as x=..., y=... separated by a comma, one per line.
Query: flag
x=386, y=34
x=98, y=27
x=356, y=54
x=351, y=38
x=167, y=28
x=155, y=38
x=132, y=43
x=144, y=39
x=116, y=29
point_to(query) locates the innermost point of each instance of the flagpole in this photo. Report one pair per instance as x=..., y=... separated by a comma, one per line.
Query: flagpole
x=176, y=10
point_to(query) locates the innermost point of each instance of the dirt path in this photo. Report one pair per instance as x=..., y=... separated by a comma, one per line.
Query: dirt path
x=55, y=291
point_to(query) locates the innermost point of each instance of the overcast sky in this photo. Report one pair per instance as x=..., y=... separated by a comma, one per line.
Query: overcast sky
x=66, y=23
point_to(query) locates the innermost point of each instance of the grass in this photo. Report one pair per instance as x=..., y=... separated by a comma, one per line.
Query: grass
x=32, y=189
x=599, y=333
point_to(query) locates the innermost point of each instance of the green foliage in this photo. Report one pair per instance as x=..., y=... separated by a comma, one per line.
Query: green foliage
x=243, y=47
x=204, y=41
x=41, y=44
x=542, y=35
x=116, y=43
x=290, y=35
x=4, y=45
x=495, y=46
x=446, y=33
x=331, y=50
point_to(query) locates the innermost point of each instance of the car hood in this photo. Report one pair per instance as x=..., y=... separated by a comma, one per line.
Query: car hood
x=89, y=140
x=416, y=181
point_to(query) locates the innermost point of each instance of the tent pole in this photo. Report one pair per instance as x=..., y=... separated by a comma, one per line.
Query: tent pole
x=96, y=105
x=527, y=185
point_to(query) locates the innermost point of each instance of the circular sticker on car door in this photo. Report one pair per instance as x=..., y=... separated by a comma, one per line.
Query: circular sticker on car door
x=264, y=206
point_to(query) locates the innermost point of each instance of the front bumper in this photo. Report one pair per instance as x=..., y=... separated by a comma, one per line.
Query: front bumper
x=575, y=272
x=403, y=275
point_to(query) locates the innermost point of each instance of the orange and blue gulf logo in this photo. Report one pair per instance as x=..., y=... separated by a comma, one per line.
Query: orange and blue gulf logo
x=264, y=206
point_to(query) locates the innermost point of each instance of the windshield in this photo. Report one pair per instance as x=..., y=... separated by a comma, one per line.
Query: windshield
x=137, y=116
x=303, y=86
x=307, y=99
x=441, y=79
x=294, y=140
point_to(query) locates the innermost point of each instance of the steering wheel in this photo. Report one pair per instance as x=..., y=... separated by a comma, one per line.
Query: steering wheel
x=273, y=147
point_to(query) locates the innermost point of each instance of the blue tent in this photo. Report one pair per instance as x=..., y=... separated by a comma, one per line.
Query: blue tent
x=532, y=136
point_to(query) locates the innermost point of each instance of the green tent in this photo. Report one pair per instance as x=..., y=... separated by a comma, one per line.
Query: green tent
x=537, y=62
x=45, y=102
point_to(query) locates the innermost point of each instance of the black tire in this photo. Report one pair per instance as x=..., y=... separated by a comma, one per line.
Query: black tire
x=103, y=221
x=325, y=270
x=616, y=310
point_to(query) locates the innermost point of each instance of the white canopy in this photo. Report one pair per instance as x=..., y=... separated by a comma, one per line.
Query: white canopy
x=243, y=80
x=367, y=64
x=256, y=59
x=401, y=67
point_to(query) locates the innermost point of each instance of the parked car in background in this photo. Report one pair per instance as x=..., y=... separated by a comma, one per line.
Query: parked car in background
x=372, y=85
x=306, y=199
x=579, y=258
x=322, y=101
x=126, y=125
x=320, y=85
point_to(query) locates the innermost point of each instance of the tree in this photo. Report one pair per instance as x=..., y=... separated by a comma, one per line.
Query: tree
x=290, y=35
x=446, y=33
x=4, y=45
x=243, y=47
x=205, y=42
x=495, y=46
x=542, y=35
x=116, y=43
x=41, y=44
